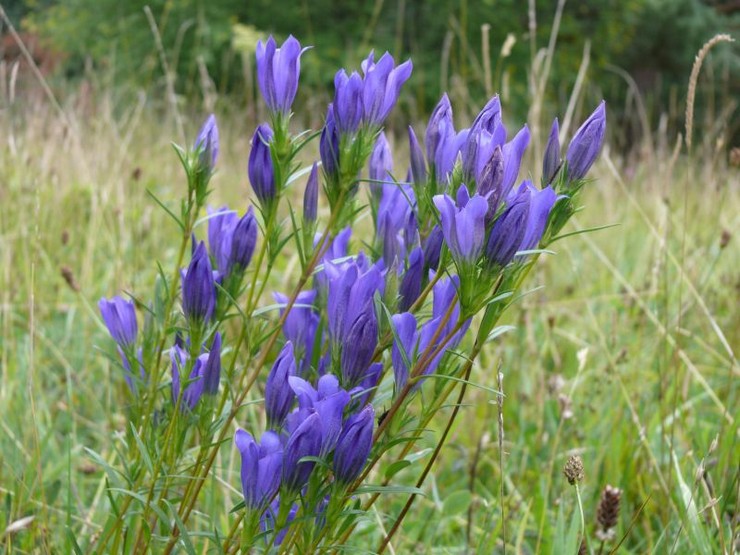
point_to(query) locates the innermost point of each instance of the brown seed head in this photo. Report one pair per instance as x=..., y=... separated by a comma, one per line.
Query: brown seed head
x=574, y=470
x=69, y=277
x=607, y=513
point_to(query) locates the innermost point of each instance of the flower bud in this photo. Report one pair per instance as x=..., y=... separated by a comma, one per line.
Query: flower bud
x=260, y=170
x=418, y=166
x=243, y=241
x=119, y=316
x=278, y=395
x=359, y=347
x=212, y=368
x=508, y=231
x=586, y=144
x=410, y=288
x=329, y=144
x=311, y=196
x=551, y=161
x=198, y=288
x=354, y=445
x=207, y=143
x=347, y=102
x=305, y=441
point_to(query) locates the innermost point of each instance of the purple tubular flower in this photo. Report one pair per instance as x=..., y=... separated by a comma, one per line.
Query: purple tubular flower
x=328, y=400
x=551, y=161
x=278, y=395
x=212, y=368
x=586, y=144
x=278, y=70
x=463, y=228
x=243, y=241
x=259, y=168
x=119, y=316
x=347, y=102
x=489, y=117
x=194, y=390
x=513, y=152
x=207, y=140
x=433, y=247
x=439, y=122
x=350, y=294
x=382, y=85
x=410, y=287
x=359, y=347
x=311, y=196
x=404, y=347
x=508, y=231
x=329, y=144
x=221, y=225
x=198, y=287
x=418, y=166
x=491, y=181
x=540, y=204
x=261, y=468
x=300, y=326
x=354, y=445
x=304, y=441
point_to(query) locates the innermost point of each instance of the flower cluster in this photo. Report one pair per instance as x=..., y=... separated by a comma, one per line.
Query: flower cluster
x=364, y=328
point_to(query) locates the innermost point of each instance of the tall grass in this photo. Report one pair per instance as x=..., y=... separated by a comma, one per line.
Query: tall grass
x=626, y=357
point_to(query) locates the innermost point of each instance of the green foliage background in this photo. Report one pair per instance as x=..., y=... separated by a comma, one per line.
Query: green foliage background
x=654, y=41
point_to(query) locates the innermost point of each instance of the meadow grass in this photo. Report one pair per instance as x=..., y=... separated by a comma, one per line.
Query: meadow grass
x=623, y=351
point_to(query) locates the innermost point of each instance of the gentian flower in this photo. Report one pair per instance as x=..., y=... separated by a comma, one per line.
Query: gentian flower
x=119, y=316
x=311, y=196
x=347, y=102
x=439, y=123
x=221, y=223
x=508, y=231
x=278, y=70
x=418, y=165
x=540, y=204
x=463, y=226
x=194, y=390
x=198, y=288
x=278, y=395
x=359, y=347
x=304, y=441
x=410, y=288
x=513, y=152
x=300, y=325
x=379, y=166
x=433, y=247
x=381, y=87
x=329, y=144
x=212, y=367
x=207, y=140
x=404, y=347
x=261, y=468
x=586, y=144
x=260, y=170
x=354, y=445
x=551, y=160
x=244, y=240
x=328, y=400
x=490, y=183
x=489, y=118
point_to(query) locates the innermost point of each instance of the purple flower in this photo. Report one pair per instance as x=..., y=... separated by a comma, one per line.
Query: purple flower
x=380, y=165
x=489, y=118
x=119, y=316
x=418, y=165
x=259, y=168
x=354, y=445
x=311, y=196
x=198, y=288
x=381, y=87
x=221, y=225
x=278, y=395
x=212, y=367
x=508, y=231
x=513, y=152
x=463, y=227
x=261, y=468
x=586, y=144
x=491, y=181
x=207, y=140
x=244, y=240
x=397, y=228
x=551, y=161
x=329, y=144
x=410, y=287
x=361, y=392
x=359, y=347
x=404, y=347
x=540, y=204
x=433, y=247
x=347, y=101
x=278, y=70
x=194, y=389
x=439, y=124
x=300, y=325
x=304, y=441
